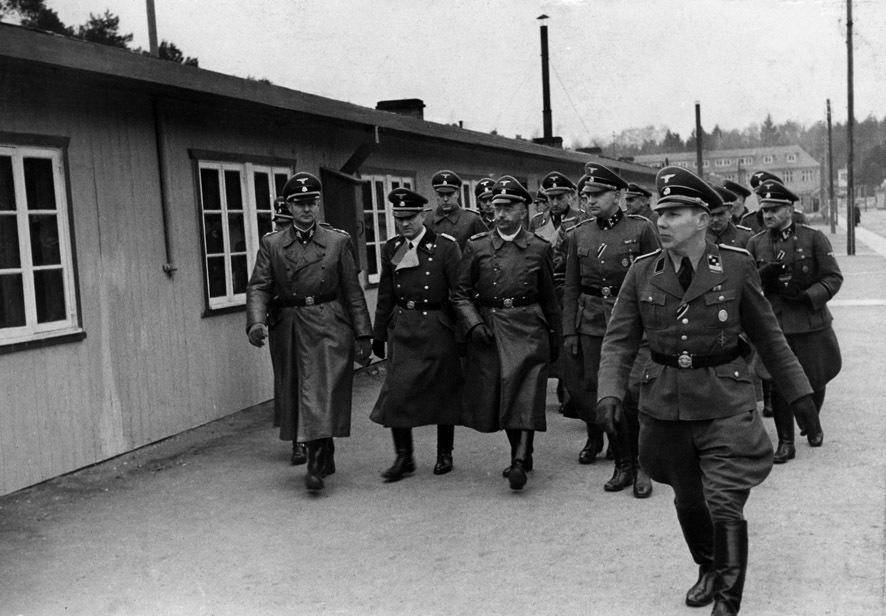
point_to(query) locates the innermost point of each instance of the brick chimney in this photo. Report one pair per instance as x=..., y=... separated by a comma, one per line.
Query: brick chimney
x=412, y=107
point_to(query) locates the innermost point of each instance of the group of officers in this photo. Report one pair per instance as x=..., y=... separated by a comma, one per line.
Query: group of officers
x=658, y=324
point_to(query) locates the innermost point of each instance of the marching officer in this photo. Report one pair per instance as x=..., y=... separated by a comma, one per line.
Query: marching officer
x=700, y=432
x=414, y=317
x=561, y=213
x=309, y=267
x=738, y=207
x=754, y=220
x=637, y=202
x=799, y=275
x=722, y=229
x=483, y=194
x=599, y=252
x=450, y=217
x=506, y=299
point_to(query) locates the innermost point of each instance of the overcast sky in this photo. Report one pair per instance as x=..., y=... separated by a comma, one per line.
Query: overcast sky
x=615, y=64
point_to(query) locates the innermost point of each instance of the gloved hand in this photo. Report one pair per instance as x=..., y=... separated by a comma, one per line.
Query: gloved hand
x=257, y=334
x=378, y=348
x=570, y=343
x=363, y=351
x=769, y=274
x=806, y=415
x=482, y=334
x=794, y=294
x=609, y=414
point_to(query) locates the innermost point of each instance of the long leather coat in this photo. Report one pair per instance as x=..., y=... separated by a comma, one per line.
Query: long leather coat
x=506, y=381
x=423, y=382
x=314, y=344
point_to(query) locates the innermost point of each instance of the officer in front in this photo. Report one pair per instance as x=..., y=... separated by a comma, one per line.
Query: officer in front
x=799, y=275
x=722, y=230
x=450, y=217
x=700, y=432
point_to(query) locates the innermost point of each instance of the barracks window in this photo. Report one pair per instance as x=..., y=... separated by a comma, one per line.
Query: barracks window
x=237, y=207
x=378, y=221
x=38, y=295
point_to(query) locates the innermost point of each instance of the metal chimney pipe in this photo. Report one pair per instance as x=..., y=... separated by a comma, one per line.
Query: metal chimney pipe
x=547, y=125
x=152, y=29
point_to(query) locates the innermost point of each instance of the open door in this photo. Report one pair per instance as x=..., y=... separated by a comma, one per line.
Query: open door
x=343, y=208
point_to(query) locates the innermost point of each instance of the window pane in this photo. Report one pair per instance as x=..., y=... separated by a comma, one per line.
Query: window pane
x=370, y=227
x=44, y=239
x=216, y=271
x=9, y=250
x=209, y=186
x=39, y=184
x=264, y=224
x=12, y=301
x=262, y=191
x=49, y=292
x=237, y=232
x=232, y=190
x=370, y=254
x=367, y=196
x=382, y=227
x=7, y=190
x=215, y=242
x=280, y=182
x=238, y=273
x=379, y=195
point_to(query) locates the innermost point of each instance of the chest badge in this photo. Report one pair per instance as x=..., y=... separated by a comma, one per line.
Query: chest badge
x=625, y=262
x=722, y=316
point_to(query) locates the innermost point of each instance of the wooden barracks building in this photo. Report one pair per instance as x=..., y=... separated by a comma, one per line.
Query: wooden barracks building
x=133, y=192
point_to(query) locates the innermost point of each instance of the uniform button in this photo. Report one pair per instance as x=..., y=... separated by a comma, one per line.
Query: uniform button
x=430, y=258
x=721, y=298
x=649, y=299
x=398, y=286
x=427, y=273
x=426, y=286
x=685, y=321
x=736, y=373
x=426, y=314
x=493, y=282
x=684, y=337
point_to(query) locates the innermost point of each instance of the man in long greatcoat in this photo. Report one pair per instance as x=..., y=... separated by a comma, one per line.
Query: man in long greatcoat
x=310, y=269
x=505, y=298
x=415, y=327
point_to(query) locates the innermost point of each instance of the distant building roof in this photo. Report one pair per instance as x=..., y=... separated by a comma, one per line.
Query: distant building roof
x=779, y=153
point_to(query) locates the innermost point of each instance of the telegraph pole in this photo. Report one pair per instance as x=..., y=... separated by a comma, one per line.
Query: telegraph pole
x=850, y=158
x=698, y=137
x=832, y=204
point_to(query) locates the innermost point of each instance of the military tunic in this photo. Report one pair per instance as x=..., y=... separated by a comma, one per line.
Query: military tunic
x=509, y=286
x=413, y=314
x=732, y=235
x=320, y=310
x=459, y=223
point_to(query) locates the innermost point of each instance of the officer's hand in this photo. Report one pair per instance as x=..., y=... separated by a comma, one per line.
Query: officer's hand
x=257, y=334
x=769, y=273
x=570, y=343
x=794, y=294
x=378, y=348
x=363, y=351
x=609, y=414
x=482, y=334
x=807, y=415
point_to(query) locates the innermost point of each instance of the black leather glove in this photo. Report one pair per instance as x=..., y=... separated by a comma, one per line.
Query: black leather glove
x=609, y=414
x=806, y=415
x=794, y=294
x=378, y=348
x=482, y=334
x=257, y=334
x=769, y=274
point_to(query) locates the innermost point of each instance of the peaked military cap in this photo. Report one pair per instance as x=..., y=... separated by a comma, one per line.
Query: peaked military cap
x=774, y=194
x=727, y=196
x=406, y=202
x=736, y=188
x=281, y=213
x=601, y=178
x=678, y=187
x=446, y=181
x=579, y=186
x=483, y=189
x=301, y=186
x=540, y=196
x=634, y=190
x=508, y=190
x=761, y=176
x=556, y=183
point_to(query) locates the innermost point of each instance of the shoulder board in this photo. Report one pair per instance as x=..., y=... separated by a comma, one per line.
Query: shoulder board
x=449, y=237
x=537, y=236
x=326, y=225
x=477, y=236
x=657, y=251
x=537, y=214
x=800, y=224
x=734, y=249
x=273, y=232
x=743, y=228
x=583, y=222
x=636, y=217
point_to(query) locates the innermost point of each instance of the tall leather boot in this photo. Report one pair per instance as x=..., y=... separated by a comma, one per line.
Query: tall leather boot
x=730, y=563
x=445, y=443
x=784, y=428
x=517, y=473
x=329, y=464
x=593, y=445
x=698, y=530
x=623, y=476
x=316, y=465
x=816, y=437
x=404, y=463
x=514, y=440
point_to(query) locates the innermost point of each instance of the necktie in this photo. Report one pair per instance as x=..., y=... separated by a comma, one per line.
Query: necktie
x=411, y=245
x=685, y=273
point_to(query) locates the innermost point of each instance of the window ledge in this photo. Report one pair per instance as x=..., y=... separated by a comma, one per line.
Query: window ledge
x=43, y=340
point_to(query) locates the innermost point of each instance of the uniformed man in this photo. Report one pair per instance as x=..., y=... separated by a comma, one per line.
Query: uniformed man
x=738, y=207
x=599, y=252
x=506, y=300
x=722, y=230
x=450, y=217
x=800, y=275
x=754, y=220
x=637, y=202
x=540, y=202
x=699, y=430
x=310, y=268
x=414, y=317
x=483, y=194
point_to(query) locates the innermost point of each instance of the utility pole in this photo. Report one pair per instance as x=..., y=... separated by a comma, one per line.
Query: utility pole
x=698, y=138
x=152, y=29
x=850, y=158
x=547, y=123
x=832, y=204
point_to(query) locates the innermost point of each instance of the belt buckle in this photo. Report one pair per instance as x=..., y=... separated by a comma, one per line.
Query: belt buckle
x=309, y=300
x=605, y=291
x=410, y=305
x=684, y=360
x=507, y=303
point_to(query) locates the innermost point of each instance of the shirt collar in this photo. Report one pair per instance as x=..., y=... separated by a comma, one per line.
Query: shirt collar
x=508, y=238
x=305, y=236
x=418, y=238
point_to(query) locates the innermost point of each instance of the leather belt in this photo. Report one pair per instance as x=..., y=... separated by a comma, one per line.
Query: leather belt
x=610, y=291
x=419, y=304
x=508, y=302
x=309, y=300
x=687, y=360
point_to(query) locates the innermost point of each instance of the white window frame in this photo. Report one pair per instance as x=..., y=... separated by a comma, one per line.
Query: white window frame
x=389, y=182
x=746, y=160
x=788, y=176
x=250, y=211
x=792, y=157
x=807, y=175
x=768, y=159
x=722, y=162
x=32, y=330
